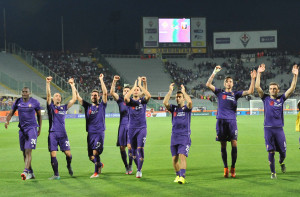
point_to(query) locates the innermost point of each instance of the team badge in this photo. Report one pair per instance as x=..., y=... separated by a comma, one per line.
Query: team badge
x=272, y=103
x=56, y=111
x=224, y=97
x=278, y=100
x=29, y=105
x=140, y=101
x=232, y=93
x=61, y=107
x=175, y=114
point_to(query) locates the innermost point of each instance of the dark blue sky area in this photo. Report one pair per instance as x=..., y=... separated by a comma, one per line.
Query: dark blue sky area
x=115, y=26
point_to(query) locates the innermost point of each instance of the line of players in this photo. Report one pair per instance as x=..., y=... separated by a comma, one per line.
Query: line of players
x=133, y=128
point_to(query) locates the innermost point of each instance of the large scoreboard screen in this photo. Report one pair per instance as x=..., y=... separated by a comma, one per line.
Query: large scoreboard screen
x=174, y=32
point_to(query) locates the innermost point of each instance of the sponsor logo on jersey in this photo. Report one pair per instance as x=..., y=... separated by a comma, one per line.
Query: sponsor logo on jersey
x=228, y=97
x=181, y=114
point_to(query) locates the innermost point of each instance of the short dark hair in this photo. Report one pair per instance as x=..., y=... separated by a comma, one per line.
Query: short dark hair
x=179, y=92
x=127, y=87
x=95, y=90
x=227, y=77
x=274, y=83
x=26, y=88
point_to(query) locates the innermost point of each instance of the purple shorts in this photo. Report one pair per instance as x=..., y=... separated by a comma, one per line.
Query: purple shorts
x=95, y=142
x=122, y=135
x=275, y=139
x=56, y=139
x=226, y=130
x=28, y=138
x=180, y=149
x=137, y=137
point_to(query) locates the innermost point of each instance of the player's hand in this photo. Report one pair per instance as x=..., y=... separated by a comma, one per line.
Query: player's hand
x=48, y=79
x=101, y=76
x=71, y=81
x=171, y=87
x=135, y=84
x=116, y=78
x=295, y=70
x=139, y=81
x=261, y=68
x=253, y=74
x=39, y=131
x=6, y=125
x=144, y=79
x=182, y=89
x=217, y=69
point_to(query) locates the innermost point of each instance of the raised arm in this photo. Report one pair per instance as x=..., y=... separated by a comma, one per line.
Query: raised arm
x=251, y=88
x=211, y=78
x=260, y=70
x=80, y=100
x=103, y=87
x=74, y=96
x=48, y=90
x=167, y=97
x=128, y=95
x=147, y=94
x=113, y=86
x=144, y=79
x=295, y=71
x=187, y=97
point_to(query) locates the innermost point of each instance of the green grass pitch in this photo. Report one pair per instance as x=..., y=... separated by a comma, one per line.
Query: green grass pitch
x=204, y=164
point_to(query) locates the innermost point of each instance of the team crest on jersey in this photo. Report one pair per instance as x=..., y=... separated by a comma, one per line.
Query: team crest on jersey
x=56, y=111
x=140, y=101
x=61, y=108
x=272, y=103
x=278, y=100
x=29, y=105
x=232, y=93
x=124, y=103
x=224, y=97
x=90, y=111
x=175, y=114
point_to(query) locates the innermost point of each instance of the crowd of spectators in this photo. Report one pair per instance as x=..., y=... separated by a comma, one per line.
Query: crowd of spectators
x=6, y=102
x=85, y=70
x=234, y=67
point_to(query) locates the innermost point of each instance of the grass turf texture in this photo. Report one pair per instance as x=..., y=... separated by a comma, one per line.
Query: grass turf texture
x=204, y=164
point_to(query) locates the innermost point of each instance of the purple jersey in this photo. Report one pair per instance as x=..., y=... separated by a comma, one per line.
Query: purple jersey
x=273, y=110
x=181, y=124
x=124, y=116
x=137, y=113
x=227, y=103
x=57, y=115
x=27, y=112
x=95, y=117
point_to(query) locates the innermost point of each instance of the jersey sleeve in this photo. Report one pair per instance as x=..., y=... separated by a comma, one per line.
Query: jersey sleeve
x=104, y=104
x=238, y=94
x=120, y=100
x=65, y=107
x=130, y=103
x=15, y=105
x=38, y=106
x=283, y=97
x=217, y=91
x=264, y=97
x=143, y=100
x=85, y=104
x=171, y=108
x=186, y=109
